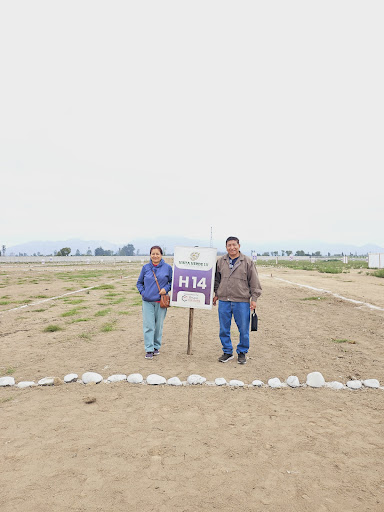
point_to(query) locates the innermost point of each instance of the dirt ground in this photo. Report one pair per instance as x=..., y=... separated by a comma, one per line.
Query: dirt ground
x=194, y=448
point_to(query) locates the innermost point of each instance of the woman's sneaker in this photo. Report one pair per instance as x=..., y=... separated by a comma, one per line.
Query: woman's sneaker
x=156, y=352
x=149, y=355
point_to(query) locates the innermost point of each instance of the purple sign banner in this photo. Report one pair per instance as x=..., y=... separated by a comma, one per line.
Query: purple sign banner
x=193, y=277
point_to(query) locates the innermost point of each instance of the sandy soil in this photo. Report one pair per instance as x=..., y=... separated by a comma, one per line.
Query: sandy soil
x=190, y=448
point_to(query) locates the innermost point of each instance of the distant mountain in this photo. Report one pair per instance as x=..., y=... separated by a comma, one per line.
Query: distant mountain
x=168, y=243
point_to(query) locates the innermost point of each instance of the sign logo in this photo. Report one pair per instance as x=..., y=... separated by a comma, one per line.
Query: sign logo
x=194, y=256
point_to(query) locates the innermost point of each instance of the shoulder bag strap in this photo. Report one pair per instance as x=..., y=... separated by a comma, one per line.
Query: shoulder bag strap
x=157, y=282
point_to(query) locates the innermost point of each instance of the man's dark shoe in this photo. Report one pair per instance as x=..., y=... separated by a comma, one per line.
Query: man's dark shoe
x=225, y=358
x=241, y=359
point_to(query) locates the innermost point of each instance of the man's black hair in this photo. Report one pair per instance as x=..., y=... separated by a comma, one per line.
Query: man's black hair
x=232, y=238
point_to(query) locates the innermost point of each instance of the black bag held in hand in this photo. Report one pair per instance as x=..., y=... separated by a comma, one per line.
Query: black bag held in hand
x=254, y=321
x=165, y=300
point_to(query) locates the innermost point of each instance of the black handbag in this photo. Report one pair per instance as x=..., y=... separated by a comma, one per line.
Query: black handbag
x=254, y=321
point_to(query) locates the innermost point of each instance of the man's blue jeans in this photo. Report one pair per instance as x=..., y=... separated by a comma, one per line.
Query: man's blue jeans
x=153, y=320
x=241, y=314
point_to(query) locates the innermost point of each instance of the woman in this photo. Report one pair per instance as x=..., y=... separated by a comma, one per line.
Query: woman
x=153, y=314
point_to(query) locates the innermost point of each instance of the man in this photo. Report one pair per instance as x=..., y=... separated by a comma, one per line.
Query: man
x=237, y=287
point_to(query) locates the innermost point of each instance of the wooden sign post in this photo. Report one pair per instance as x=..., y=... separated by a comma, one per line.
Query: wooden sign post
x=190, y=331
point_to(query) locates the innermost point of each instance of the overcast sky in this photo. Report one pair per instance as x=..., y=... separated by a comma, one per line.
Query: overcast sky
x=122, y=119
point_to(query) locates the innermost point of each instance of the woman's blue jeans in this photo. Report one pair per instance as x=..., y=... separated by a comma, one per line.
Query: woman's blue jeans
x=153, y=320
x=241, y=313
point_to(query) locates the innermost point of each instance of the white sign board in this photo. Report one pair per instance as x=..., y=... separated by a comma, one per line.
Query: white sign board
x=193, y=277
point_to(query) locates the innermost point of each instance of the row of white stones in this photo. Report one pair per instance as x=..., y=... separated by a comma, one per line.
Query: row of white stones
x=314, y=380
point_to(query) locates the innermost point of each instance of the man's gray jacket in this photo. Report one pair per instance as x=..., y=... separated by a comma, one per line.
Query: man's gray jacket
x=239, y=284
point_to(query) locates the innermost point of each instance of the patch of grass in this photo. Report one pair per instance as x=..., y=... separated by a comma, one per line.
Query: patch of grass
x=79, y=276
x=37, y=310
x=40, y=296
x=137, y=302
x=75, y=301
x=10, y=371
x=125, y=313
x=4, y=302
x=85, y=336
x=343, y=340
x=105, y=287
x=330, y=266
x=378, y=273
x=71, y=312
x=118, y=301
x=52, y=328
x=103, y=312
x=313, y=298
x=111, y=294
x=5, y=297
x=107, y=327
x=80, y=320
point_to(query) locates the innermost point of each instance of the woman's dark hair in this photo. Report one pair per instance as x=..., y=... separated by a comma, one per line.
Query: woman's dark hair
x=156, y=247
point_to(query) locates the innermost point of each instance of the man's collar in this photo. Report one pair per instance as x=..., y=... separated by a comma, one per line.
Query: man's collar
x=227, y=256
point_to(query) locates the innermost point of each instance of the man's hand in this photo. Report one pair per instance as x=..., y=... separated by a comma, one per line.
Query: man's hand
x=253, y=304
x=215, y=299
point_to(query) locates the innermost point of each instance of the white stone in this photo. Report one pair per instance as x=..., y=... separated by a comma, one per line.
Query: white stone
x=275, y=383
x=220, y=381
x=371, y=383
x=46, y=381
x=196, y=379
x=335, y=385
x=293, y=381
x=71, y=377
x=257, y=383
x=155, y=379
x=354, y=384
x=236, y=383
x=315, y=380
x=117, y=378
x=89, y=377
x=174, y=381
x=135, y=378
x=7, y=381
x=26, y=384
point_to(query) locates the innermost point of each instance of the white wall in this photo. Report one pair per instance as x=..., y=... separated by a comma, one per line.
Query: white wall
x=74, y=259
x=376, y=260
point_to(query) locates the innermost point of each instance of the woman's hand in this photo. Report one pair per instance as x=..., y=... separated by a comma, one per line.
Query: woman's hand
x=162, y=291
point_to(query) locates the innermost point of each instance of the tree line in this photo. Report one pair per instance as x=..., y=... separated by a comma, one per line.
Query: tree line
x=126, y=250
